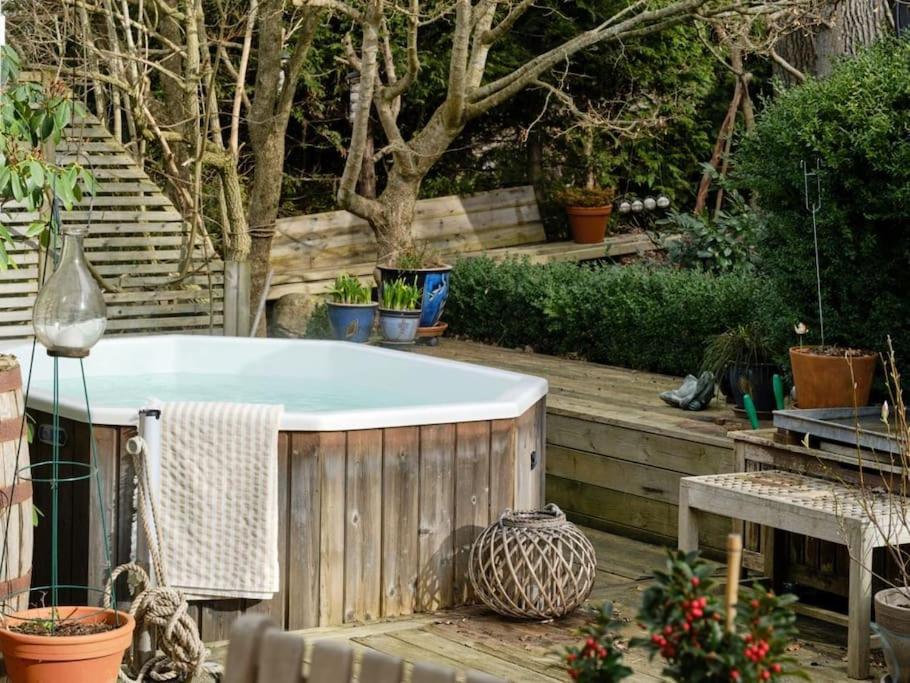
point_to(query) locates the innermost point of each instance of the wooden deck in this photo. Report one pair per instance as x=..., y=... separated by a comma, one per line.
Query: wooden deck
x=526, y=652
x=615, y=451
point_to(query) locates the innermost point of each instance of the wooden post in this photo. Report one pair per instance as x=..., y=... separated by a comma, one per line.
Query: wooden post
x=734, y=560
x=236, y=298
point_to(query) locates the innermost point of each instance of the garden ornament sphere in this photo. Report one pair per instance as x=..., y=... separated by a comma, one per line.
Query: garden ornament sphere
x=637, y=206
x=663, y=201
x=650, y=203
x=625, y=206
x=532, y=565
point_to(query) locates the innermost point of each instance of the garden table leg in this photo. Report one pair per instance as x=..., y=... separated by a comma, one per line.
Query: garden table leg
x=859, y=604
x=688, y=522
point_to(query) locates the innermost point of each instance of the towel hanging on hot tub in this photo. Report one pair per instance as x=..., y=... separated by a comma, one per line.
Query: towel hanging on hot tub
x=218, y=498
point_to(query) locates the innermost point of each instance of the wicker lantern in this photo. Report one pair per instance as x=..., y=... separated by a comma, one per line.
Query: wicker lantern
x=532, y=565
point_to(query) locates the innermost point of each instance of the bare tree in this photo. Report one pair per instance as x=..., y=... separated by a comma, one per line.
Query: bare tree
x=170, y=78
x=476, y=28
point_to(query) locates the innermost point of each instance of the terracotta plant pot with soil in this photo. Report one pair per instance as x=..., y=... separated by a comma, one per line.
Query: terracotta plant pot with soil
x=825, y=378
x=892, y=616
x=94, y=656
x=589, y=223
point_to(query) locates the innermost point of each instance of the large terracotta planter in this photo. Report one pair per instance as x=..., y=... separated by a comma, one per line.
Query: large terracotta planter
x=92, y=658
x=824, y=381
x=892, y=616
x=589, y=224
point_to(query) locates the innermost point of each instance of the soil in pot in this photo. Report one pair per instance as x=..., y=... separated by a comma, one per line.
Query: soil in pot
x=825, y=376
x=87, y=647
x=755, y=380
x=892, y=616
x=433, y=284
x=589, y=224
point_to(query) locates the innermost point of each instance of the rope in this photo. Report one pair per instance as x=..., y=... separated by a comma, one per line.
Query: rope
x=181, y=654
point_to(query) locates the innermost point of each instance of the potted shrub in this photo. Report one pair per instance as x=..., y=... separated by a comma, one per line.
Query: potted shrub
x=399, y=311
x=741, y=360
x=831, y=376
x=892, y=604
x=688, y=627
x=351, y=312
x=65, y=644
x=589, y=212
x=420, y=266
x=599, y=658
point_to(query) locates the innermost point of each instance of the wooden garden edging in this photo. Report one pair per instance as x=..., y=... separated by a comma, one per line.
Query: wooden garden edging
x=137, y=241
x=309, y=251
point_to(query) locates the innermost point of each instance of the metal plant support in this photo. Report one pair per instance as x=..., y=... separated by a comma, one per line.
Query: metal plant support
x=813, y=206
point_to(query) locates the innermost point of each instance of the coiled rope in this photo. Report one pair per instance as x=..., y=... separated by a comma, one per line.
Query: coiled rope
x=181, y=654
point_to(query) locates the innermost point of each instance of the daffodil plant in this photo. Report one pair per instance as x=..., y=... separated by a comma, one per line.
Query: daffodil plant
x=33, y=117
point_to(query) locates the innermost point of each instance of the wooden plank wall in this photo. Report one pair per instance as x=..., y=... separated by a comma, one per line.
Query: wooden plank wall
x=137, y=241
x=620, y=479
x=373, y=523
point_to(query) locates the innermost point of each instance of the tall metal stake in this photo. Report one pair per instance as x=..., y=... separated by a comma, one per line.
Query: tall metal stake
x=814, y=207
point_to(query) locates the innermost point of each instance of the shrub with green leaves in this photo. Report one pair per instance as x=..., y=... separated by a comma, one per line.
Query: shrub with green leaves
x=647, y=318
x=856, y=124
x=32, y=116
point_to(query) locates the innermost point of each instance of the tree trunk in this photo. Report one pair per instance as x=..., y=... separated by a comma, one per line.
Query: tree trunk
x=847, y=26
x=394, y=221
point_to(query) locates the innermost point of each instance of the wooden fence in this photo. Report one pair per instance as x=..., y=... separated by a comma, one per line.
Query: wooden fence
x=137, y=241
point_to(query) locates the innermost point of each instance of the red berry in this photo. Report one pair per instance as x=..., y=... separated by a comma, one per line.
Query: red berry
x=776, y=668
x=571, y=657
x=734, y=675
x=695, y=581
x=747, y=638
x=573, y=674
x=754, y=604
x=765, y=674
x=590, y=642
x=697, y=613
x=686, y=627
x=668, y=630
x=685, y=604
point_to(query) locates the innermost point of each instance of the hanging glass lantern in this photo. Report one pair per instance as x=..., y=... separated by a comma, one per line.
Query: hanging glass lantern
x=70, y=315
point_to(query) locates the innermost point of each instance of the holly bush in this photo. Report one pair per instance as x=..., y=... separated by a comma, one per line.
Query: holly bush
x=598, y=659
x=32, y=117
x=685, y=620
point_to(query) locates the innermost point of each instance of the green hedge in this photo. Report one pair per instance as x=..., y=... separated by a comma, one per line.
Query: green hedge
x=655, y=319
x=856, y=123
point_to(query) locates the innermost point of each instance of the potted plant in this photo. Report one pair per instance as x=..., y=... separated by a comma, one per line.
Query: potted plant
x=741, y=360
x=588, y=210
x=421, y=266
x=688, y=627
x=599, y=658
x=65, y=644
x=351, y=312
x=892, y=604
x=399, y=311
x=831, y=376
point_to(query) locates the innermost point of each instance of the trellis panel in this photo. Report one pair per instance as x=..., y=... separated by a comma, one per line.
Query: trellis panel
x=137, y=241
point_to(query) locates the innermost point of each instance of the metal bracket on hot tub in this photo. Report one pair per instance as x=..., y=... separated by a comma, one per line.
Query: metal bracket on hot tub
x=47, y=436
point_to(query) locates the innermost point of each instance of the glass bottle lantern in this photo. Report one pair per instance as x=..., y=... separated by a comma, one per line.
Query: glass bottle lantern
x=70, y=314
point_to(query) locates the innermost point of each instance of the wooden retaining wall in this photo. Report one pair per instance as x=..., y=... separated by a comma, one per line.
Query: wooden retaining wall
x=373, y=523
x=137, y=241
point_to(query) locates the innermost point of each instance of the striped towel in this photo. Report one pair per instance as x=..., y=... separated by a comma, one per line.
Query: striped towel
x=218, y=499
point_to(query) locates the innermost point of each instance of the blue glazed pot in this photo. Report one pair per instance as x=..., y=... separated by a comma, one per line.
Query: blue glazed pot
x=352, y=322
x=432, y=282
x=398, y=326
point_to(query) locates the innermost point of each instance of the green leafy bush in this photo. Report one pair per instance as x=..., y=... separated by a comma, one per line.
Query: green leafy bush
x=657, y=319
x=856, y=124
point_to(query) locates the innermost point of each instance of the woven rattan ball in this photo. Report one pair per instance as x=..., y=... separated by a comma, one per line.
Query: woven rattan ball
x=532, y=565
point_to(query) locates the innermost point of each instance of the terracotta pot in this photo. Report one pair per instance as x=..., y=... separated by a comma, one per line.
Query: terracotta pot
x=892, y=616
x=827, y=381
x=589, y=223
x=93, y=658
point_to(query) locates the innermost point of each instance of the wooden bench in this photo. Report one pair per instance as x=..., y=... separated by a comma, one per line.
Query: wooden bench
x=804, y=505
x=259, y=652
x=309, y=251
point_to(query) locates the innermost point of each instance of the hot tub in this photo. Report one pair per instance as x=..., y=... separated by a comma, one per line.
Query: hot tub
x=390, y=462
